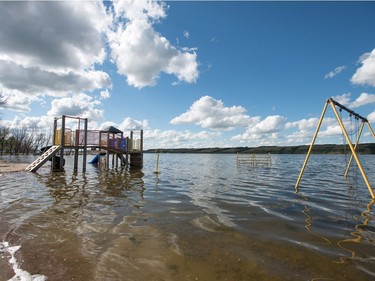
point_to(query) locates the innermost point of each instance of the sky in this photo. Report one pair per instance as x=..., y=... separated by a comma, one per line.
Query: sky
x=190, y=73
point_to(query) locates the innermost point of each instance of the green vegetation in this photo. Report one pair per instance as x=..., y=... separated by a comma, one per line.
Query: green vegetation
x=366, y=148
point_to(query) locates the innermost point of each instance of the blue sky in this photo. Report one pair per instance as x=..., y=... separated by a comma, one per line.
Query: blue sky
x=190, y=73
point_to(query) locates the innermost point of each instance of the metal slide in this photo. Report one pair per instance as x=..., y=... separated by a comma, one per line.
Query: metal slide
x=43, y=158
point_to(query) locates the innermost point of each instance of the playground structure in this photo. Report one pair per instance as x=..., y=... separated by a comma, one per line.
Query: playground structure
x=353, y=148
x=110, y=142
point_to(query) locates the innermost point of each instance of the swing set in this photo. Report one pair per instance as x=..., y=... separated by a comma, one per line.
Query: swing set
x=353, y=148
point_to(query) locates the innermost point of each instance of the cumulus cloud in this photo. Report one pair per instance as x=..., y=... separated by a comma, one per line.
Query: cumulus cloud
x=19, y=101
x=371, y=117
x=267, y=128
x=343, y=99
x=140, y=52
x=303, y=124
x=37, y=81
x=127, y=124
x=51, y=48
x=178, y=139
x=186, y=34
x=334, y=72
x=44, y=123
x=208, y=112
x=365, y=75
x=131, y=124
x=332, y=130
x=78, y=105
x=105, y=94
x=363, y=99
x=271, y=124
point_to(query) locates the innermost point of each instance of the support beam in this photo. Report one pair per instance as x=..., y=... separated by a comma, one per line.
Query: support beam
x=61, y=163
x=355, y=148
x=84, y=156
x=353, y=151
x=311, y=145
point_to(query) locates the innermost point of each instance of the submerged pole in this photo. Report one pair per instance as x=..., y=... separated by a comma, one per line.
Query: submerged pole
x=61, y=163
x=311, y=145
x=157, y=163
x=84, y=156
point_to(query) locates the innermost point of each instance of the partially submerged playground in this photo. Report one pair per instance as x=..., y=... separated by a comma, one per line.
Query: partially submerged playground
x=111, y=145
x=114, y=148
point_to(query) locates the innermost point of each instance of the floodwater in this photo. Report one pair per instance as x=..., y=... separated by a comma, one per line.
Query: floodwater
x=203, y=217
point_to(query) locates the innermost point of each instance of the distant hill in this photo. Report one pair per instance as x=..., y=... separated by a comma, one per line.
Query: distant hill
x=366, y=148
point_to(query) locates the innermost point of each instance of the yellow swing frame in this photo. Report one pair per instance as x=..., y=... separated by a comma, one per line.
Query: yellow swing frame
x=354, y=155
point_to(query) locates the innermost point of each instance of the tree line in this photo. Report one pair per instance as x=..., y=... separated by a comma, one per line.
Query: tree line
x=22, y=140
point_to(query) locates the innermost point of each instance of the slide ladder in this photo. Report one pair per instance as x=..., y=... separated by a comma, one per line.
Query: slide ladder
x=43, y=158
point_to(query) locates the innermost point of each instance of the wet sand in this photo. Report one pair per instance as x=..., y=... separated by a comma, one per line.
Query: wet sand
x=6, y=167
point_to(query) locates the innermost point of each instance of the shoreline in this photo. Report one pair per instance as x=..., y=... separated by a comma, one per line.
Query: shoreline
x=7, y=167
x=365, y=148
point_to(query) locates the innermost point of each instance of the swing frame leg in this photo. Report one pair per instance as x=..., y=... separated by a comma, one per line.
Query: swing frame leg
x=353, y=155
x=353, y=151
x=355, y=148
x=311, y=146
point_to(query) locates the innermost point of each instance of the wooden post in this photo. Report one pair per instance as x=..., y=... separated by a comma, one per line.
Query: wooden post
x=75, y=167
x=131, y=141
x=84, y=156
x=54, y=141
x=61, y=164
x=141, y=147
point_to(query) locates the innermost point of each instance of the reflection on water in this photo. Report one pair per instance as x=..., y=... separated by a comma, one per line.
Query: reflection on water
x=202, y=217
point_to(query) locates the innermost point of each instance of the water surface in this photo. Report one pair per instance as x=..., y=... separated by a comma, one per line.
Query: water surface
x=203, y=217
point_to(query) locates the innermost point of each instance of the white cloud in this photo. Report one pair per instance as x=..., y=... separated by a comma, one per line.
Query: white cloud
x=177, y=139
x=365, y=75
x=44, y=123
x=336, y=71
x=363, y=99
x=332, y=130
x=126, y=125
x=37, y=81
x=53, y=36
x=371, y=117
x=343, y=99
x=265, y=132
x=19, y=101
x=208, y=112
x=187, y=34
x=141, y=53
x=131, y=124
x=271, y=124
x=51, y=48
x=78, y=105
x=105, y=94
x=303, y=124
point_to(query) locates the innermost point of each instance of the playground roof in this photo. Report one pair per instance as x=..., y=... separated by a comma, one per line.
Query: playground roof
x=113, y=130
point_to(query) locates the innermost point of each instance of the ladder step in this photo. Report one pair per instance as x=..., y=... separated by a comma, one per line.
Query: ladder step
x=43, y=158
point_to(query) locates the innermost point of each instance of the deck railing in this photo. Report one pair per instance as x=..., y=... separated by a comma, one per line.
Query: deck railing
x=96, y=138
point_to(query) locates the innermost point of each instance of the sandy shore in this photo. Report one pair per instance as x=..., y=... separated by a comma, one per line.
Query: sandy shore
x=6, y=167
